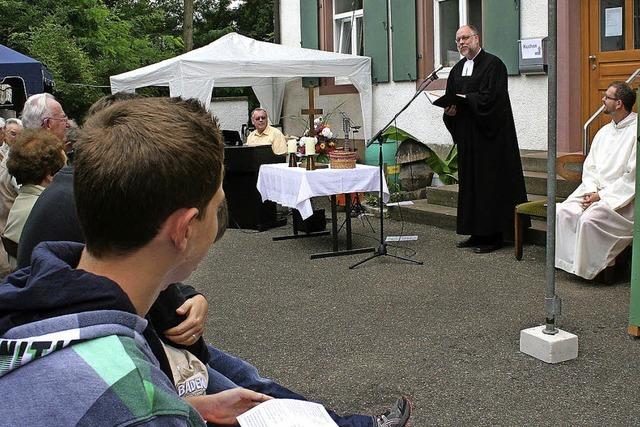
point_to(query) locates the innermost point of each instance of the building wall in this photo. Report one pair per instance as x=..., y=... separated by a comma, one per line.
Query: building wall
x=528, y=93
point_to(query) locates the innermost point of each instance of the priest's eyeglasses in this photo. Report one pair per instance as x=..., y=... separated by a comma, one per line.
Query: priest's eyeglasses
x=463, y=39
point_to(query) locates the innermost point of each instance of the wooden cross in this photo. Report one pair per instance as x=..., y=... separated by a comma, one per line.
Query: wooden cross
x=311, y=111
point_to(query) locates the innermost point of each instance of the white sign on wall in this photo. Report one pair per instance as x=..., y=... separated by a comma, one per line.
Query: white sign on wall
x=531, y=48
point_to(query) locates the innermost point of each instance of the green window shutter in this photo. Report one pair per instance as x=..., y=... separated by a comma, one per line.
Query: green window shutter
x=403, y=34
x=501, y=31
x=376, y=42
x=309, y=33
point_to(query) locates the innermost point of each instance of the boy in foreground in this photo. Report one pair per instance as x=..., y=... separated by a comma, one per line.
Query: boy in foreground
x=71, y=348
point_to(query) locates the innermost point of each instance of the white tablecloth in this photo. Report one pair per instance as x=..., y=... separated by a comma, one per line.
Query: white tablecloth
x=294, y=187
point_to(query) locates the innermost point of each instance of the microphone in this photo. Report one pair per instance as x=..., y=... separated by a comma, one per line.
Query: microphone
x=434, y=74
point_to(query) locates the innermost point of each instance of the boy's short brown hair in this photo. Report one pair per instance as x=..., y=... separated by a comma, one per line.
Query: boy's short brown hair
x=36, y=154
x=139, y=161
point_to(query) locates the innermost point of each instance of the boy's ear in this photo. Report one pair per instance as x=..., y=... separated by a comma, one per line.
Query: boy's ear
x=179, y=224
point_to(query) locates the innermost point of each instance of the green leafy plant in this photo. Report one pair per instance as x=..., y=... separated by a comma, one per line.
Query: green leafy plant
x=446, y=168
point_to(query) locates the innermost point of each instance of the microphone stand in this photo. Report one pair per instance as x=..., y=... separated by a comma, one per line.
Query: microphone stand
x=382, y=248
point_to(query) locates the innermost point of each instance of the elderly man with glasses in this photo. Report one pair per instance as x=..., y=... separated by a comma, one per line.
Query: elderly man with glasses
x=595, y=223
x=43, y=111
x=481, y=123
x=265, y=134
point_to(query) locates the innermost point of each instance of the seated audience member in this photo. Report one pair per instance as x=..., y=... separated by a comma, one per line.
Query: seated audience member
x=44, y=111
x=12, y=130
x=8, y=185
x=179, y=309
x=264, y=134
x=148, y=202
x=34, y=158
x=595, y=223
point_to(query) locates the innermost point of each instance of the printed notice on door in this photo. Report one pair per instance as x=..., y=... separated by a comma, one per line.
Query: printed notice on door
x=613, y=22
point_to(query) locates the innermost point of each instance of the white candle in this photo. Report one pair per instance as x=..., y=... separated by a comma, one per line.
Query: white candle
x=292, y=146
x=309, y=146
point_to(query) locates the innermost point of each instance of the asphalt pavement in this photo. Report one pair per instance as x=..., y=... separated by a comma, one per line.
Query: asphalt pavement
x=445, y=333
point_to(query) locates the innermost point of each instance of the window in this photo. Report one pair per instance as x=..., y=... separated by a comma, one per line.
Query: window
x=451, y=15
x=347, y=27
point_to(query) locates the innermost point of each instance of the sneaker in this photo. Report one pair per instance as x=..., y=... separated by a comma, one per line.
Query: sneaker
x=397, y=416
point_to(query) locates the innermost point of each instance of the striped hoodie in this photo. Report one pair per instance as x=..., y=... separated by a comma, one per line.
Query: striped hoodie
x=72, y=351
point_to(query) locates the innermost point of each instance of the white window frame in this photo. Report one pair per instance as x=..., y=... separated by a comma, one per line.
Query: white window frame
x=463, y=18
x=338, y=21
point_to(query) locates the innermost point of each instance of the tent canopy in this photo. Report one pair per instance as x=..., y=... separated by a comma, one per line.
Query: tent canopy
x=32, y=72
x=236, y=61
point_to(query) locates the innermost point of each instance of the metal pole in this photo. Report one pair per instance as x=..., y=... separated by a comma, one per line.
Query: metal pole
x=634, y=303
x=552, y=303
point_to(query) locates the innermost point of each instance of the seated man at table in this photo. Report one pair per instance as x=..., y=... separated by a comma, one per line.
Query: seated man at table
x=265, y=134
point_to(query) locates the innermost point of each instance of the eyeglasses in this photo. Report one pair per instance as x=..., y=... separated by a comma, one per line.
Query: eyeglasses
x=462, y=39
x=610, y=97
x=260, y=118
x=63, y=118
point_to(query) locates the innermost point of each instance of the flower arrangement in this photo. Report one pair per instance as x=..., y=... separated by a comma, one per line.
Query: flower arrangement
x=325, y=141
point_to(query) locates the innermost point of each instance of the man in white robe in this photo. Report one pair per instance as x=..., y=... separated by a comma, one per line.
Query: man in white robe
x=595, y=223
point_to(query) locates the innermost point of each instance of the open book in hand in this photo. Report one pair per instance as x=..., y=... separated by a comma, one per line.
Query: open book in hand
x=445, y=100
x=287, y=413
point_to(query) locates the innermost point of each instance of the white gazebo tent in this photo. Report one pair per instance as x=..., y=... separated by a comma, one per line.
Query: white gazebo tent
x=237, y=61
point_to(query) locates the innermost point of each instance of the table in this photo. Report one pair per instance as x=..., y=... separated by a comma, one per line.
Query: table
x=294, y=188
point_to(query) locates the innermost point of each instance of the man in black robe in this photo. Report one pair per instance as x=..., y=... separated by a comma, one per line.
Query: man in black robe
x=481, y=123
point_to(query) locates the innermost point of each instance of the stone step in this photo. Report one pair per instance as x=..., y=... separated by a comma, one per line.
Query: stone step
x=536, y=183
x=439, y=207
x=447, y=195
x=534, y=161
x=423, y=212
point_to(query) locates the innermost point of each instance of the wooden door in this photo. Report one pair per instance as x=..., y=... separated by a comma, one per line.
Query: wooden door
x=611, y=51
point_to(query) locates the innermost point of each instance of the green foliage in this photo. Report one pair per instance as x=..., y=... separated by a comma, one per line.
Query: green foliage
x=84, y=42
x=255, y=19
x=446, y=168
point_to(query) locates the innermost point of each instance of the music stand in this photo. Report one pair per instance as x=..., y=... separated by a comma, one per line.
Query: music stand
x=382, y=248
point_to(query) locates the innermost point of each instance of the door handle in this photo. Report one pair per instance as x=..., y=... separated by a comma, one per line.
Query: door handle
x=592, y=60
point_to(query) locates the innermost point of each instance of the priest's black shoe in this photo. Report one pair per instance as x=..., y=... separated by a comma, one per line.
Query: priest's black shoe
x=468, y=243
x=489, y=247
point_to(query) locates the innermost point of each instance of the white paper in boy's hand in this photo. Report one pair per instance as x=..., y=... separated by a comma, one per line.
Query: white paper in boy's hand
x=287, y=413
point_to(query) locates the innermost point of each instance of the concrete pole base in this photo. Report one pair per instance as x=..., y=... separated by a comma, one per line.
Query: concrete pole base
x=556, y=348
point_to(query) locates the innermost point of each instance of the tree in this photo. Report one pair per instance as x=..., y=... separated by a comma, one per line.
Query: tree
x=84, y=42
x=254, y=18
x=187, y=25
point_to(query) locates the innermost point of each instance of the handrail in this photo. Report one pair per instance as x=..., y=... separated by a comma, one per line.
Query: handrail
x=585, y=128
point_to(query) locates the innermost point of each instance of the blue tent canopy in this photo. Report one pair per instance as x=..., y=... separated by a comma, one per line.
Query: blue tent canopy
x=36, y=77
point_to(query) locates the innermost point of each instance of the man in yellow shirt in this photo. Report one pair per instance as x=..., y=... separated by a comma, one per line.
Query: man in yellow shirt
x=265, y=134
